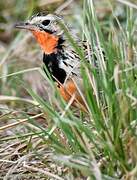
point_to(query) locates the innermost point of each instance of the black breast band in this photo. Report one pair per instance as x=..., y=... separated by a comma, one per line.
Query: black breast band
x=52, y=63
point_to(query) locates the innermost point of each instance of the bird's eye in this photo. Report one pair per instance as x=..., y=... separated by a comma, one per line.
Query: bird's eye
x=46, y=22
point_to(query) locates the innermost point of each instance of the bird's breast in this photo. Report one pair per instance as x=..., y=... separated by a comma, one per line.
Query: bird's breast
x=47, y=41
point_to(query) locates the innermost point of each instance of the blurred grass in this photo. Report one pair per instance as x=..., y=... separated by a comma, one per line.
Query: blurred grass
x=100, y=144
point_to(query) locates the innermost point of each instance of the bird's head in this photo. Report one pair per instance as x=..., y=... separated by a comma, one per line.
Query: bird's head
x=46, y=30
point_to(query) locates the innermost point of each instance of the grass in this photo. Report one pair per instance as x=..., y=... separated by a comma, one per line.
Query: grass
x=64, y=142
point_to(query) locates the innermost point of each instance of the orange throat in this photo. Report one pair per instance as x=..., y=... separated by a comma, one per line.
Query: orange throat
x=47, y=41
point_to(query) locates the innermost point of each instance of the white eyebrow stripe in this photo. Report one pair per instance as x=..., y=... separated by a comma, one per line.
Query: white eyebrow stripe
x=41, y=18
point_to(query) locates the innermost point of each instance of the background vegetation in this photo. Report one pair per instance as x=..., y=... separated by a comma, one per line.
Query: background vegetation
x=42, y=137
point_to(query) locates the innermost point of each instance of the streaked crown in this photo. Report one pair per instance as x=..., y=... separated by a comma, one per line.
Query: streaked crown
x=43, y=22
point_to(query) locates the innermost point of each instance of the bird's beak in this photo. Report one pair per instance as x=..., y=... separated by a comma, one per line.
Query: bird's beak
x=25, y=25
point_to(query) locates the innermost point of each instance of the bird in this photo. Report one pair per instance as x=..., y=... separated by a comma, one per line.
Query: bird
x=59, y=57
